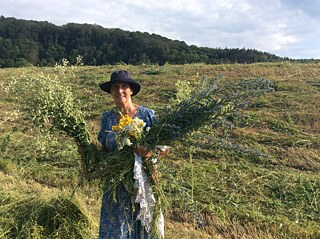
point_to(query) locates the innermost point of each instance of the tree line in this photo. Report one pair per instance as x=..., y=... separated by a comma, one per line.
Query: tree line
x=25, y=42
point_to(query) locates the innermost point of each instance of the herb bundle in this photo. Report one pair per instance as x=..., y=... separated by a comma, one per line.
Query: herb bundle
x=209, y=104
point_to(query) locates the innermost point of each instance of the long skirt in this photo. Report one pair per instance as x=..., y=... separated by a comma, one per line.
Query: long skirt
x=118, y=217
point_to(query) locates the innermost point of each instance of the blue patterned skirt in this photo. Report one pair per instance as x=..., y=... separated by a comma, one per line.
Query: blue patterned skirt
x=118, y=219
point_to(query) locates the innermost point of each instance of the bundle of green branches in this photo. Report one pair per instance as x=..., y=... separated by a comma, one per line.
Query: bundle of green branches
x=50, y=104
x=114, y=168
x=209, y=104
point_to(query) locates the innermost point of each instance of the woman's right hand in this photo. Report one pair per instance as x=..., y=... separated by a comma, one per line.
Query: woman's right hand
x=143, y=151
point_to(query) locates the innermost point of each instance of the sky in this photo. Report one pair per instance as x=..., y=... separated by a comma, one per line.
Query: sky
x=286, y=28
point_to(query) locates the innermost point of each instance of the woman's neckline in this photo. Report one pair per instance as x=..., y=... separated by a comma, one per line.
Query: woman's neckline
x=135, y=114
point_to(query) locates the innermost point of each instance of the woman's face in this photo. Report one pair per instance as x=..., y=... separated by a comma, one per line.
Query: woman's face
x=121, y=93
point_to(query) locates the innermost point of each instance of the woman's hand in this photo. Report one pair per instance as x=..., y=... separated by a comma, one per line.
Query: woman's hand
x=143, y=151
x=162, y=150
x=163, y=153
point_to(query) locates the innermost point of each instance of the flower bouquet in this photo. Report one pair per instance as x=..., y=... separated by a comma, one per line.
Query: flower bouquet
x=129, y=131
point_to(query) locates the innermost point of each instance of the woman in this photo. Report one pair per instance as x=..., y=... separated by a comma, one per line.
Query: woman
x=119, y=217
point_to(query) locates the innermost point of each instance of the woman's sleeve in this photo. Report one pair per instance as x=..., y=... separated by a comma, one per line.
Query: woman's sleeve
x=152, y=119
x=102, y=133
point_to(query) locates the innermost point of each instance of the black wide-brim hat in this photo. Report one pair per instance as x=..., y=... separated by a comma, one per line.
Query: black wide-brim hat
x=121, y=76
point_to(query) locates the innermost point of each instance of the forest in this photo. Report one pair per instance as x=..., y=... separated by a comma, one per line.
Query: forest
x=40, y=43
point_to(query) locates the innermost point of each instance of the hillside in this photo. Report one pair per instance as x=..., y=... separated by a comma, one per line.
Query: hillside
x=24, y=42
x=257, y=179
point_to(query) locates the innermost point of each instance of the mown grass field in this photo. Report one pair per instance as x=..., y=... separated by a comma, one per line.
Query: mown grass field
x=259, y=179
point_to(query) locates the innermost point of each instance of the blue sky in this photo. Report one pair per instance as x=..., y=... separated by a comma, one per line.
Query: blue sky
x=287, y=28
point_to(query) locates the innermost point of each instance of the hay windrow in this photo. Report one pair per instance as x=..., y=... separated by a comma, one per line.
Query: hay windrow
x=43, y=216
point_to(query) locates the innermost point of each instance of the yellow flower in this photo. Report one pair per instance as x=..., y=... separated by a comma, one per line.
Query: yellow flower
x=135, y=135
x=125, y=120
x=128, y=119
x=116, y=127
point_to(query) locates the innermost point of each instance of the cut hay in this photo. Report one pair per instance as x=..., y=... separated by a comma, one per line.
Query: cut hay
x=43, y=216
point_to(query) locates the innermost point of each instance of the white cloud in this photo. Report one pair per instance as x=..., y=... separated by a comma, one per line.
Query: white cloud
x=283, y=27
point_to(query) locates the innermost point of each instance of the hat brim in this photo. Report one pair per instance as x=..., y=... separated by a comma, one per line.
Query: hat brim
x=135, y=86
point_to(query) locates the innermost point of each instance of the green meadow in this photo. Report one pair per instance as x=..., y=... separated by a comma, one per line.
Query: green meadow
x=256, y=177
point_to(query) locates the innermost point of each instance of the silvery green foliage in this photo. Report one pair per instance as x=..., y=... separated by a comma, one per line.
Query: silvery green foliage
x=210, y=102
x=50, y=103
